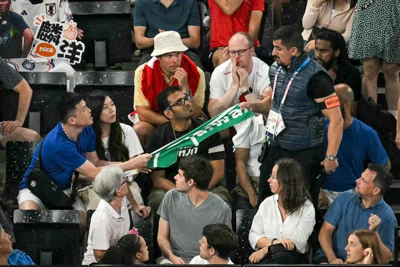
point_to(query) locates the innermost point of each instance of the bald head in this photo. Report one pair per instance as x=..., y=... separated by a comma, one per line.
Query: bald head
x=345, y=93
x=241, y=37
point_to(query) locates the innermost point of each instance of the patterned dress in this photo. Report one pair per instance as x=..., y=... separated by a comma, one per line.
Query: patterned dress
x=376, y=31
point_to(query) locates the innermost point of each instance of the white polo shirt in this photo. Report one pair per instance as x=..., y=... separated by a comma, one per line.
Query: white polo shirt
x=250, y=134
x=106, y=228
x=221, y=79
x=200, y=260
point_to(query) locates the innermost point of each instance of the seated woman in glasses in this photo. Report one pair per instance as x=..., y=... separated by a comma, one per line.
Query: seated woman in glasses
x=284, y=220
x=115, y=141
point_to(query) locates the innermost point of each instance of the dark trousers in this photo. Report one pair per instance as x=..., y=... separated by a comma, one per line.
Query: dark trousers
x=285, y=258
x=309, y=159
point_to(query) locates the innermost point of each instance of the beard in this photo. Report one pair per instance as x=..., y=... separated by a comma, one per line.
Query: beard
x=327, y=65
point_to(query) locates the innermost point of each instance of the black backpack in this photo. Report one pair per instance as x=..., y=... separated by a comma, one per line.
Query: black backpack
x=384, y=123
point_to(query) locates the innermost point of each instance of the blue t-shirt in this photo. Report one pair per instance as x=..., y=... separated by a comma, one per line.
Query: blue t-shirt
x=177, y=17
x=61, y=156
x=359, y=142
x=11, y=34
x=347, y=214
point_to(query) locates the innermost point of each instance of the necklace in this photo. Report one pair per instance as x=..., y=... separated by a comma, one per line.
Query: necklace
x=190, y=127
x=65, y=132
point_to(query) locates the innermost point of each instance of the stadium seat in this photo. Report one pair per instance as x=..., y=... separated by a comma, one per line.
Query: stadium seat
x=49, y=237
x=244, y=219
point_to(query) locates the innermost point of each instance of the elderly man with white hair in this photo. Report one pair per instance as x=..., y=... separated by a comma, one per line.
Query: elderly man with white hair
x=110, y=221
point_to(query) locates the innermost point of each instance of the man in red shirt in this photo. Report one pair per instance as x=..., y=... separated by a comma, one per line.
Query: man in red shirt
x=229, y=17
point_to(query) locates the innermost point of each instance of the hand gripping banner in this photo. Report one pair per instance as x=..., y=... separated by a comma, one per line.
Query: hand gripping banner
x=168, y=154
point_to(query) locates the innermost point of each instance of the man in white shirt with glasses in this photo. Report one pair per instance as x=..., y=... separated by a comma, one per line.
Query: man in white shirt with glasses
x=242, y=78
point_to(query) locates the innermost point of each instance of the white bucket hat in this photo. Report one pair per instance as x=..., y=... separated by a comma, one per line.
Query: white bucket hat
x=167, y=42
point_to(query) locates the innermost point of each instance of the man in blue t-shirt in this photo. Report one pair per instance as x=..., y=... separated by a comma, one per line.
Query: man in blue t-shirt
x=361, y=209
x=182, y=16
x=69, y=147
x=13, y=29
x=359, y=143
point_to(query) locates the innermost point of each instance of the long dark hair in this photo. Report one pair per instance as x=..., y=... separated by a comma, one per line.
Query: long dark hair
x=294, y=191
x=124, y=252
x=118, y=151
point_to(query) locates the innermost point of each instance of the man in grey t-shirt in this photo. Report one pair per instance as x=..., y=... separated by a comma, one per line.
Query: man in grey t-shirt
x=185, y=210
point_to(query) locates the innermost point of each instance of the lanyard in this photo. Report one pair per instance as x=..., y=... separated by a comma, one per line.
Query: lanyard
x=305, y=62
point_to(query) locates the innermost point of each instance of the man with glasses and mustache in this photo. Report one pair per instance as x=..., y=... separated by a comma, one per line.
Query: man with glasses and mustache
x=177, y=108
x=242, y=78
x=169, y=66
x=330, y=52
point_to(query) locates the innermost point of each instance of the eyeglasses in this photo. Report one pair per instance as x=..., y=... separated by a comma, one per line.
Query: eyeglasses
x=125, y=180
x=242, y=52
x=181, y=101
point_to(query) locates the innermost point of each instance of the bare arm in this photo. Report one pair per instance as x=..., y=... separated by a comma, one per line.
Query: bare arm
x=140, y=39
x=335, y=129
x=216, y=106
x=146, y=114
x=242, y=156
x=193, y=41
x=254, y=24
x=160, y=182
x=164, y=244
x=387, y=255
x=218, y=173
x=28, y=39
x=228, y=6
x=25, y=95
x=98, y=254
x=325, y=240
x=262, y=106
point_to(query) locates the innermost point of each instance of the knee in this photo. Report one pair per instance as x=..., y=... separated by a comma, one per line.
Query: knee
x=391, y=71
x=29, y=205
x=32, y=135
x=143, y=130
x=371, y=68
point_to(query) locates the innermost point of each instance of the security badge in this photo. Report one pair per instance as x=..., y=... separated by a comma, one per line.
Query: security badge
x=275, y=123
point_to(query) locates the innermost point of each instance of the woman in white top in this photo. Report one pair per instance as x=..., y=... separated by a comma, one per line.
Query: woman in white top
x=115, y=141
x=286, y=218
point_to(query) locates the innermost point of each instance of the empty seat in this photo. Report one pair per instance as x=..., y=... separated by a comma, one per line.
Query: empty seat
x=49, y=237
x=244, y=219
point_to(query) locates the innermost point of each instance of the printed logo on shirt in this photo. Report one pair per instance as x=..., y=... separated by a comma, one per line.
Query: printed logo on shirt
x=28, y=65
x=187, y=151
x=51, y=9
x=24, y=13
x=4, y=22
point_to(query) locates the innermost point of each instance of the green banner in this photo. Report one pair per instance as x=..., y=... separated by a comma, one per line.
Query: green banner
x=168, y=154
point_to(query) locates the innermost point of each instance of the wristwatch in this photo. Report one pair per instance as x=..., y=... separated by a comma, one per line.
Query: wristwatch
x=249, y=91
x=331, y=157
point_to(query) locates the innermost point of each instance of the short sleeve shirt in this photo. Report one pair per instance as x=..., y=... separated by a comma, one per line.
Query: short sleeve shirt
x=347, y=214
x=186, y=222
x=210, y=148
x=61, y=156
x=11, y=35
x=225, y=26
x=177, y=17
x=9, y=78
x=359, y=142
x=221, y=79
